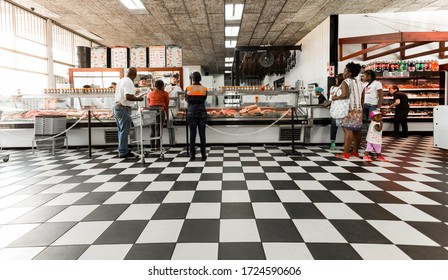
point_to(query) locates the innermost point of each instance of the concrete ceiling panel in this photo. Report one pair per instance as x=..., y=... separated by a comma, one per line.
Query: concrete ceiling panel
x=271, y=11
x=249, y=22
x=261, y=30
x=254, y=6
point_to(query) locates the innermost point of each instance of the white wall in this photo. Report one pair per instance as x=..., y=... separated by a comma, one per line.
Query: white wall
x=372, y=24
x=188, y=70
x=312, y=61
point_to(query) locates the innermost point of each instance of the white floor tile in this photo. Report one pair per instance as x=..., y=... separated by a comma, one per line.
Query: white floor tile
x=408, y=212
x=380, y=252
x=172, y=170
x=269, y=210
x=10, y=233
x=204, y=211
x=85, y=166
x=268, y=163
x=161, y=231
x=209, y=186
x=217, y=169
x=99, y=179
x=417, y=186
x=139, y=212
x=10, y=200
x=422, y=170
x=60, y=188
x=83, y=233
x=371, y=177
x=414, y=198
x=238, y=231
x=293, y=169
x=235, y=196
x=324, y=176
x=286, y=251
x=292, y=196
x=20, y=254
x=259, y=185
x=195, y=251
x=10, y=214
x=145, y=178
x=53, y=180
x=106, y=252
x=122, y=198
x=337, y=211
x=133, y=170
x=179, y=197
x=400, y=233
x=159, y=186
x=233, y=177
x=74, y=213
x=49, y=173
x=310, y=185
x=65, y=199
x=420, y=177
x=362, y=186
x=321, y=231
x=351, y=197
x=110, y=187
x=189, y=177
x=335, y=169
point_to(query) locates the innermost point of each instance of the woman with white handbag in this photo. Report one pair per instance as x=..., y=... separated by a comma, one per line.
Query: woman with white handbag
x=335, y=91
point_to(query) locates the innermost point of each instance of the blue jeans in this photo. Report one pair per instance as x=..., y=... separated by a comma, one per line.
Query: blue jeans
x=196, y=120
x=122, y=115
x=366, y=111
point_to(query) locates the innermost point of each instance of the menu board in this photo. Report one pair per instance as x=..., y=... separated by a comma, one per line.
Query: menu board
x=119, y=56
x=156, y=56
x=98, y=57
x=138, y=57
x=173, y=56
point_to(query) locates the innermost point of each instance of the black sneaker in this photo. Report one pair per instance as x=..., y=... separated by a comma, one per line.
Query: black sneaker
x=192, y=158
x=128, y=155
x=204, y=157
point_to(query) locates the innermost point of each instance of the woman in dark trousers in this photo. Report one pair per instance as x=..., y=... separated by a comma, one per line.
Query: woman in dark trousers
x=196, y=114
x=401, y=106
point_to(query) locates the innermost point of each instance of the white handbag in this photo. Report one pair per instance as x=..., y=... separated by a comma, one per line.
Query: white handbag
x=339, y=108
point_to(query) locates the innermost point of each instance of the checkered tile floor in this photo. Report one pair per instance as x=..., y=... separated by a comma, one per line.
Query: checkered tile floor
x=244, y=202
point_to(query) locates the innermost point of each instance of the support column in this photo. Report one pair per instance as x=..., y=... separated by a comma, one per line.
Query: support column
x=50, y=67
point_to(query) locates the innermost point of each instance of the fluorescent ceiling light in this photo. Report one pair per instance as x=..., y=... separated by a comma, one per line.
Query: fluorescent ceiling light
x=228, y=64
x=133, y=4
x=229, y=59
x=234, y=11
x=232, y=31
x=230, y=43
x=228, y=72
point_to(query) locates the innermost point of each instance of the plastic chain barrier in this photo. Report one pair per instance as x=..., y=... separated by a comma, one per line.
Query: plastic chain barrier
x=48, y=138
x=251, y=133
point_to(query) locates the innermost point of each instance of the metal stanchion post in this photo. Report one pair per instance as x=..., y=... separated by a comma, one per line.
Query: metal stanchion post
x=90, y=134
x=292, y=130
x=186, y=132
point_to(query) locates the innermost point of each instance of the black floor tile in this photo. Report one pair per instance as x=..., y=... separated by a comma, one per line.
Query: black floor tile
x=94, y=198
x=277, y=230
x=112, y=171
x=273, y=169
x=151, y=197
x=171, y=211
x=370, y=211
x=122, y=232
x=192, y=170
x=250, y=163
x=106, y=212
x=263, y=196
x=213, y=164
x=43, y=235
x=425, y=252
x=152, y=170
x=435, y=231
x=284, y=185
x=321, y=196
x=157, y=251
x=303, y=211
x=39, y=215
x=389, y=186
x=347, y=177
x=333, y=251
x=72, y=252
x=241, y=251
x=255, y=176
x=237, y=211
x=123, y=178
x=184, y=186
x=207, y=196
x=232, y=169
x=441, y=198
x=382, y=197
x=336, y=185
x=439, y=212
x=314, y=169
x=167, y=177
x=301, y=176
x=199, y=231
x=84, y=187
x=234, y=185
x=76, y=179
x=134, y=186
x=177, y=164
x=359, y=231
x=211, y=177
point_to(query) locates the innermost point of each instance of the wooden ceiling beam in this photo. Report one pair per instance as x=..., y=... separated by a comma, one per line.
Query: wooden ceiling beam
x=438, y=50
x=366, y=50
x=400, y=49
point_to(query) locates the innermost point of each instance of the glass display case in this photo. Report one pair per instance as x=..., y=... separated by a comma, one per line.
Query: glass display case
x=94, y=77
x=164, y=74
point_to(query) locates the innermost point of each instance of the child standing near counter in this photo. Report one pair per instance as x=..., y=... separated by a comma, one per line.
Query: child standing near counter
x=374, y=137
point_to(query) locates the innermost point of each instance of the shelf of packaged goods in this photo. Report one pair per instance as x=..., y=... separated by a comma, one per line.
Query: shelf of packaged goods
x=414, y=89
x=422, y=76
x=68, y=95
x=421, y=107
x=411, y=98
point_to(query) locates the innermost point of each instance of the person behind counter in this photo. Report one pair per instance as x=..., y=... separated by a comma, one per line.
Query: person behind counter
x=320, y=94
x=159, y=99
x=196, y=114
x=124, y=99
x=401, y=105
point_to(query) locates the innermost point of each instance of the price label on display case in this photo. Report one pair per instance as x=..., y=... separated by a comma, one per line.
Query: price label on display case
x=157, y=56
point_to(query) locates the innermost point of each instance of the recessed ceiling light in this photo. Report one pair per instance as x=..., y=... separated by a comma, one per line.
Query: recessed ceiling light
x=228, y=64
x=230, y=43
x=234, y=11
x=232, y=31
x=229, y=59
x=133, y=4
x=228, y=72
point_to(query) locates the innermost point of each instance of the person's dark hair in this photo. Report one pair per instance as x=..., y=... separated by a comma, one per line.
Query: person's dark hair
x=159, y=84
x=196, y=77
x=339, y=78
x=353, y=68
x=113, y=84
x=372, y=75
x=132, y=73
x=395, y=88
